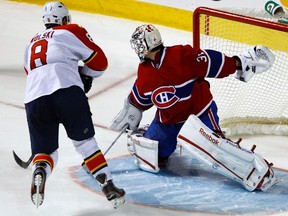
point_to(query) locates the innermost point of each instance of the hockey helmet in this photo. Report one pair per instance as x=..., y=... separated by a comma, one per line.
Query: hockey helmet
x=54, y=12
x=144, y=39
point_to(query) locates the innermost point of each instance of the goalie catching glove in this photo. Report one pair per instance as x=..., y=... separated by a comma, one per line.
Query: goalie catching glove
x=130, y=115
x=255, y=60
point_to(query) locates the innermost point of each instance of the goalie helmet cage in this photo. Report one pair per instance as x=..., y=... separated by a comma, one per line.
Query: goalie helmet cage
x=261, y=105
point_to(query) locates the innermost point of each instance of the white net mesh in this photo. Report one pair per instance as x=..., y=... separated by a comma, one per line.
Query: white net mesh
x=261, y=105
x=252, y=12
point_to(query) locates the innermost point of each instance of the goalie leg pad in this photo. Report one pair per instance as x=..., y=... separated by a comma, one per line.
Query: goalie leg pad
x=144, y=150
x=224, y=156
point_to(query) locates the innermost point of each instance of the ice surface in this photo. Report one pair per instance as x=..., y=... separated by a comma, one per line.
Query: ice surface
x=65, y=195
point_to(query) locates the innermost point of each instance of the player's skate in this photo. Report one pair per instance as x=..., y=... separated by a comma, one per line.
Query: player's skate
x=38, y=184
x=112, y=193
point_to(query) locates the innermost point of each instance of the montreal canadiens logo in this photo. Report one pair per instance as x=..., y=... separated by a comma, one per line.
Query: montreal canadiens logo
x=164, y=97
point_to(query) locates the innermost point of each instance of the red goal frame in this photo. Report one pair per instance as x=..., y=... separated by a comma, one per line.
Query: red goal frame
x=229, y=16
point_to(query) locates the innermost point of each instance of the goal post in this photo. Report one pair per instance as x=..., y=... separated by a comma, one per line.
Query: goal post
x=261, y=105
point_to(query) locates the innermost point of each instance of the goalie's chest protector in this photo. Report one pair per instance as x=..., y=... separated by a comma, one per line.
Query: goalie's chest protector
x=172, y=87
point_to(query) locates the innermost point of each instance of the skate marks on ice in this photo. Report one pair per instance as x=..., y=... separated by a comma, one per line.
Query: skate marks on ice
x=187, y=185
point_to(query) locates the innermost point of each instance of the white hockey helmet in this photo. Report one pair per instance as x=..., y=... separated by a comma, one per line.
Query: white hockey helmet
x=54, y=12
x=144, y=39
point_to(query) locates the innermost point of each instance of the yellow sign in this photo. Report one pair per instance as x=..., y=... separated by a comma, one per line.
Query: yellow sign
x=285, y=4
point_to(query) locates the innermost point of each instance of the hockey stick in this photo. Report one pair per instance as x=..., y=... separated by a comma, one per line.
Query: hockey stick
x=121, y=132
x=22, y=163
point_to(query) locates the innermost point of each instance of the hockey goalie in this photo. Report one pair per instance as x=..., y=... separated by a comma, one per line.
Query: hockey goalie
x=172, y=79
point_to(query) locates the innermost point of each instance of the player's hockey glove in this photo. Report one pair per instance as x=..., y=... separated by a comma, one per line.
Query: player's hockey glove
x=86, y=80
x=255, y=60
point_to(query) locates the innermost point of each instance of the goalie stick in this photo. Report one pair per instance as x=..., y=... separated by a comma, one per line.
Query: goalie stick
x=24, y=164
x=121, y=132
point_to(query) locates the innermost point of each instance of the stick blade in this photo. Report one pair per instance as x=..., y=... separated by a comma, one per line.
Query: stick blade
x=20, y=162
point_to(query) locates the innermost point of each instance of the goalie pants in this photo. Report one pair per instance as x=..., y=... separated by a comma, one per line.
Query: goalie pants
x=166, y=134
x=68, y=106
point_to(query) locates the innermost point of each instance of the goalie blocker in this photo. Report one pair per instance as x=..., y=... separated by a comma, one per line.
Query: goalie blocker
x=225, y=156
x=129, y=114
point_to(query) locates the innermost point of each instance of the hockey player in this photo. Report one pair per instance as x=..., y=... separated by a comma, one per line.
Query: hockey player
x=55, y=95
x=173, y=80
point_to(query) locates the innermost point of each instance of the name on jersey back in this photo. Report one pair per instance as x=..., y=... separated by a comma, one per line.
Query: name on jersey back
x=44, y=35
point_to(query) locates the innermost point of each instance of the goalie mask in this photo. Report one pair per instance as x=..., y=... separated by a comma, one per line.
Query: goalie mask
x=54, y=13
x=144, y=39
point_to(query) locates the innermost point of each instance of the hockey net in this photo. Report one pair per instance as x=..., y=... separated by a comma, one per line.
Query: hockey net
x=261, y=105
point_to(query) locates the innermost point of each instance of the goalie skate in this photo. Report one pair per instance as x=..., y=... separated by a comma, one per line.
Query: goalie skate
x=38, y=186
x=112, y=193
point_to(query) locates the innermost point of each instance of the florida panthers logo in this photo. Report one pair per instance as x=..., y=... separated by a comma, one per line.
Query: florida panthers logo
x=164, y=97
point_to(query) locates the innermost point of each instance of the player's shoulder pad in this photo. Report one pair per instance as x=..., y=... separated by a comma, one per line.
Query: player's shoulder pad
x=77, y=30
x=182, y=48
x=72, y=27
x=185, y=52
